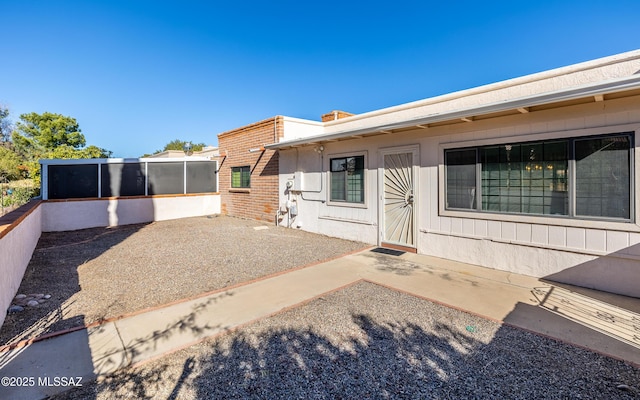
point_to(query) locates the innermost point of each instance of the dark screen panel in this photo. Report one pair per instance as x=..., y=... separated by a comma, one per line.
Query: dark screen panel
x=123, y=179
x=201, y=177
x=73, y=181
x=166, y=177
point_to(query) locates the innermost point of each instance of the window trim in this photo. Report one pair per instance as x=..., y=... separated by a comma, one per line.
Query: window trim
x=613, y=224
x=248, y=167
x=345, y=203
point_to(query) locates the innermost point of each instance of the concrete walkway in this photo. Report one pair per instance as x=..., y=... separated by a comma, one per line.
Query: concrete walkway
x=602, y=322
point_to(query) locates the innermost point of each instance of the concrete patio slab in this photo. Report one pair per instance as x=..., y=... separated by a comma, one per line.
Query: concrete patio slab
x=158, y=331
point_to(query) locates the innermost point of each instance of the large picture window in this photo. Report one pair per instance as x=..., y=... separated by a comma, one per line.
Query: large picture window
x=580, y=177
x=241, y=177
x=347, y=179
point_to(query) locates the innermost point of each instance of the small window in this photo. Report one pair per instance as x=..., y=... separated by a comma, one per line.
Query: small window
x=241, y=177
x=347, y=179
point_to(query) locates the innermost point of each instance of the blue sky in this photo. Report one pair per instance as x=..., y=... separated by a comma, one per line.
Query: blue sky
x=138, y=74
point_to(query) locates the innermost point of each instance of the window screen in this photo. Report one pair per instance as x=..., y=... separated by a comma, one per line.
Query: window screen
x=73, y=181
x=123, y=179
x=165, y=178
x=201, y=177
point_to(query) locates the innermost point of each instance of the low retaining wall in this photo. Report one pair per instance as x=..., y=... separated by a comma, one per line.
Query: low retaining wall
x=68, y=215
x=19, y=234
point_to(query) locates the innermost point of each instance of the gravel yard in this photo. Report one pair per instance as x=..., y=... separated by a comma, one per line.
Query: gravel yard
x=366, y=341
x=101, y=273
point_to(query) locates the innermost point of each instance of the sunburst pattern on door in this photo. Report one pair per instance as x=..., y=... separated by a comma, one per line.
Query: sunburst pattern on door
x=398, y=198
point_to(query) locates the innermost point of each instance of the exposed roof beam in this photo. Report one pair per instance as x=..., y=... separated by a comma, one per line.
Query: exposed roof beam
x=386, y=131
x=424, y=126
x=599, y=97
x=523, y=110
x=467, y=119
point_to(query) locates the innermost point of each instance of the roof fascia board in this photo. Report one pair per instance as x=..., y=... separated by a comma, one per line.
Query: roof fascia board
x=600, y=88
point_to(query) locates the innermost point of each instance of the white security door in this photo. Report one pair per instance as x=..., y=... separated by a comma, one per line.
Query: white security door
x=398, y=207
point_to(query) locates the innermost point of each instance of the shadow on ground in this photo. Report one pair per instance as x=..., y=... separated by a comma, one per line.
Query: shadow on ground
x=53, y=270
x=401, y=347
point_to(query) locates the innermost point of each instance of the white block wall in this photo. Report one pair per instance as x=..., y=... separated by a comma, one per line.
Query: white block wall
x=16, y=248
x=80, y=214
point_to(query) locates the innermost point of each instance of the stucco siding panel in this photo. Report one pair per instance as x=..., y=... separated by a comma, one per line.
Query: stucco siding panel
x=494, y=229
x=445, y=224
x=468, y=227
x=508, y=231
x=456, y=225
x=540, y=234
x=558, y=236
x=595, y=240
x=576, y=238
x=617, y=241
x=523, y=233
x=481, y=227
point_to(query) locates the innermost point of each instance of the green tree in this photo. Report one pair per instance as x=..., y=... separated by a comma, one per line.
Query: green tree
x=49, y=135
x=37, y=133
x=5, y=125
x=178, y=144
x=10, y=164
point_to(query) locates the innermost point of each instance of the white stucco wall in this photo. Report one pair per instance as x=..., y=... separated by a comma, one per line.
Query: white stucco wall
x=295, y=128
x=315, y=214
x=80, y=214
x=599, y=254
x=16, y=248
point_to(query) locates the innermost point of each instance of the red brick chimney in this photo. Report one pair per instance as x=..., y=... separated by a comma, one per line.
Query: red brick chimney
x=334, y=115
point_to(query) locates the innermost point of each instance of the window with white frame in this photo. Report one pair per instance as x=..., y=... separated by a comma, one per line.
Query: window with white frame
x=585, y=177
x=347, y=179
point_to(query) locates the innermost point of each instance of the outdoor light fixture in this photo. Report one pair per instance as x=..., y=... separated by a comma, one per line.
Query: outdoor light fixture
x=188, y=148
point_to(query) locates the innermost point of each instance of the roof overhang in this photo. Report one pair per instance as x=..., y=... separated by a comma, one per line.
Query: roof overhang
x=600, y=91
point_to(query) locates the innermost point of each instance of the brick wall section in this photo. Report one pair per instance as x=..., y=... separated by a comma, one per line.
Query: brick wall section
x=260, y=201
